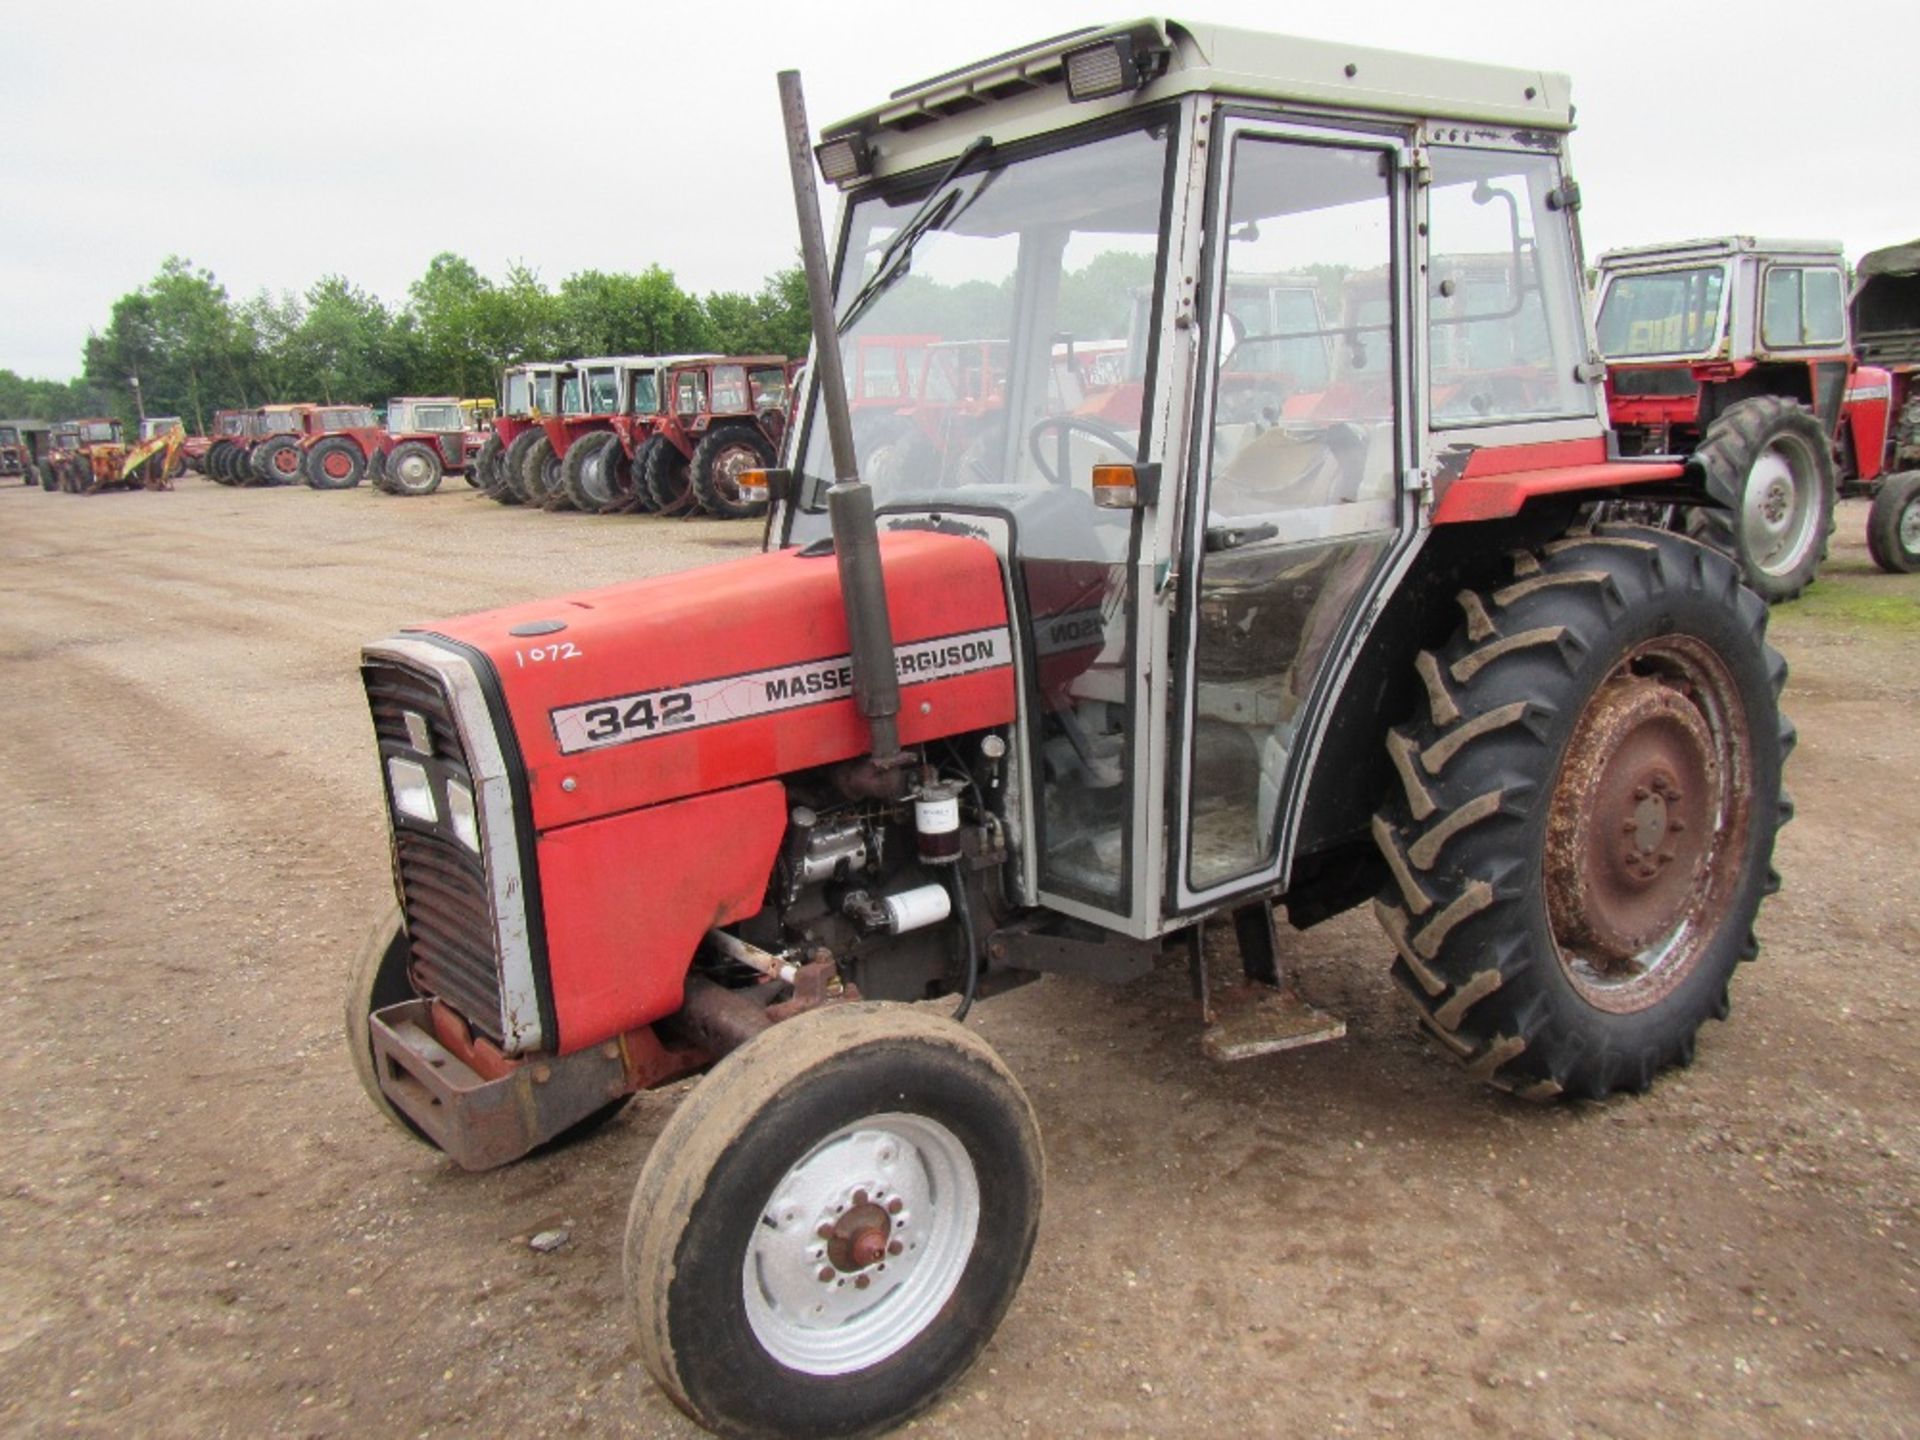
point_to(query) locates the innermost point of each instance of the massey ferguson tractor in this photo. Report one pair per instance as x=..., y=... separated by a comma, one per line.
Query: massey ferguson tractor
x=230, y=427
x=528, y=393
x=719, y=420
x=426, y=438
x=1883, y=448
x=785, y=820
x=603, y=468
x=1734, y=354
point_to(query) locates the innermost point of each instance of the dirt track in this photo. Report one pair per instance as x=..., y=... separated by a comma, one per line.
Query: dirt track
x=204, y=1229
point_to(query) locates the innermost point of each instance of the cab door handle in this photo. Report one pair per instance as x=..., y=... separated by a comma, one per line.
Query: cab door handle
x=1232, y=537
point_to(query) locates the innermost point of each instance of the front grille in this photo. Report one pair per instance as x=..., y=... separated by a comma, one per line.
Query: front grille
x=443, y=884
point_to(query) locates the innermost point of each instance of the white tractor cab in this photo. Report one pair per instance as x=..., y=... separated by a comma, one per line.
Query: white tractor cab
x=1735, y=353
x=1305, y=605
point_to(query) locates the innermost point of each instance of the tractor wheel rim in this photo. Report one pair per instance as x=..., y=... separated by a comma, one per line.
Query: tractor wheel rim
x=861, y=1244
x=594, y=477
x=1910, y=526
x=727, y=466
x=286, y=460
x=1648, y=825
x=336, y=466
x=411, y=472
x=1777, y=517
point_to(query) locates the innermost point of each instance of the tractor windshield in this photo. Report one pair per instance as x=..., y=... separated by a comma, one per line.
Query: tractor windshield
x=355, y=419
x=603, y=391
x=570, y=396
x=100, y=432
x=1662, y=312
x=544, y=388
x=1022, y=264
x=516, y=398
x=646, y=394
x=8, y=435
x=437, y=418
x=279, y=423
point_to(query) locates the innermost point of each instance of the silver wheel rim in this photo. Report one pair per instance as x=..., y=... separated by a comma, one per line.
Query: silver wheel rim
x=1910, y=526
x=1777, y=512
x=812, y=1306
x=595, y=476
x=413, y=472
x=726, y=471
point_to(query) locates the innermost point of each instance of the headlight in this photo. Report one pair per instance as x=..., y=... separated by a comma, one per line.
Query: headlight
x=466, y=827
x=412, y=793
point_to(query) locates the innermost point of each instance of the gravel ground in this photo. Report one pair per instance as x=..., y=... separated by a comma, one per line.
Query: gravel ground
x=205, y=1229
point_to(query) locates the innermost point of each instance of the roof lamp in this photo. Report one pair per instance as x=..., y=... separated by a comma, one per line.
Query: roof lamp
x=1110, y=67
x=844, y=158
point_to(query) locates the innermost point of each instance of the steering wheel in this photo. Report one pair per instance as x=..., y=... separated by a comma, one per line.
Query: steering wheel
x=1066, y=425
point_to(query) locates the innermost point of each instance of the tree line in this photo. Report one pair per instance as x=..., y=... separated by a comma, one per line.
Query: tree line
x=196, y=350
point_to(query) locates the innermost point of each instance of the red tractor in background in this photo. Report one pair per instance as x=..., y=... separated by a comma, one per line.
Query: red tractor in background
x=230, y=427
x=590, y=400
x=1062, y=709
x=23, y=447
x=273, y=457
x=601, y=465
x=1734, y=355
x=528, y=392
x=1881, y=449
x=721, y=420
x=426, y=438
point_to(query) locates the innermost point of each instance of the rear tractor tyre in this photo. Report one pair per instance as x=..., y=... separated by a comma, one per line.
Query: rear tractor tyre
x=276, y=460
x=717, y=462
x=585, y=474
x=485, y=472
x=513, y=466
x=668, y=478
x=1769, y=466
x=1583, y=828
x=642, y=496
x=335, y=463
x=831, y=1226
x=539, y=470
x=412, y=468
x=1893, y=525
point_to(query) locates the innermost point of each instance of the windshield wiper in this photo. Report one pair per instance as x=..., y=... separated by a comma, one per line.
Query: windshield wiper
x=936, y=209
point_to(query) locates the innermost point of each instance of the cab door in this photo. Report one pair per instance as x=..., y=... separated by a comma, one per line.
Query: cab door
x=1297, y=505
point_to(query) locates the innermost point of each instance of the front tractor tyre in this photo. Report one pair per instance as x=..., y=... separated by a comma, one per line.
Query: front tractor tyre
x=378, y=979
x=586, y=477
x=668, y=478
x=485, y=472
x=829, y=1229
x=1582, y=829
x=539, y=470
x=413, y=468
x=718, y=460
x=513, y=467
x=1893, y=525
x=1769, y=466
x=335, y=463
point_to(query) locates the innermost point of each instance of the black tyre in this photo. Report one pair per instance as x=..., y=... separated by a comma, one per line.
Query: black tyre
x=640, y=497
x=413, y=468
x=1769, y=465
x=276, y=460
x=718, y=459
x=485, y=474
x=335, y=463
x=584, y=474
x=378, y=979
x=668, y=478
x=830, y=1228
x=539, y=470
x=214, y=463
x=1583, y=830
x=35, y=475
x=1893, y=525
x=513, y=466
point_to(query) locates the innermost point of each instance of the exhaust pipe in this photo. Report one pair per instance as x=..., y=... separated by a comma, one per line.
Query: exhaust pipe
x=856, y=536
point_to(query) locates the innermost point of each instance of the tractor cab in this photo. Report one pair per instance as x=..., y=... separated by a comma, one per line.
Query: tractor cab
x=1301, y=600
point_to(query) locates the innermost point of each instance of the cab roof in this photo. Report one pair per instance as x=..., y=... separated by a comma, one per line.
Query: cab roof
x=1022, y=93
x=1715, y=248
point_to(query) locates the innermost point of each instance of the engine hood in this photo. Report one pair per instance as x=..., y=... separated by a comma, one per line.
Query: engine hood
x=686, y=684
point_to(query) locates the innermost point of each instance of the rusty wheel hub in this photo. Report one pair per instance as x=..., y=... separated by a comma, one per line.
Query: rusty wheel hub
x=1645, y=830
x=861, y=1237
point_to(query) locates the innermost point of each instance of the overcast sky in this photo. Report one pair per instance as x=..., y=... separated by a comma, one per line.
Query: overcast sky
x=274, y=144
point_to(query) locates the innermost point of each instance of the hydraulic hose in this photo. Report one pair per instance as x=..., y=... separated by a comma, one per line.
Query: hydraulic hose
x=967, y=939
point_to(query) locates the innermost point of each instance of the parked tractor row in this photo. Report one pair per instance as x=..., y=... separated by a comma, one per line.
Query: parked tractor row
x=1748, y=359
x=335, y=447
x=666, y=435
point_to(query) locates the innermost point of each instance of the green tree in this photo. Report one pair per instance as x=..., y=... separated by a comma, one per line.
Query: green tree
x=773, y=321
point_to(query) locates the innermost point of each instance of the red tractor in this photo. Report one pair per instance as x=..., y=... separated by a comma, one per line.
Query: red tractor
x=230, y=428
x=23, y=445
x=720, y=419
x=785, y=820
x=1881, y=449
x=601, y=464
x=427, y=438
x=528, y=393
x=591, y=399
x=1734, y=355
x=273, y=454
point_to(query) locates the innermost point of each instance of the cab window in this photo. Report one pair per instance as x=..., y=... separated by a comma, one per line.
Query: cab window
x=1802, y=306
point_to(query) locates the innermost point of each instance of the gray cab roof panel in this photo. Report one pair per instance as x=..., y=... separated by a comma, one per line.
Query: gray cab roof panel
x=1022, y=93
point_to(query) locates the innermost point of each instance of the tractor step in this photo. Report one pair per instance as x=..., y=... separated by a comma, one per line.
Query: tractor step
x=1254, y=1019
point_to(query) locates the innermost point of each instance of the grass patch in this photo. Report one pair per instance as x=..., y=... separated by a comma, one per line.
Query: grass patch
x=1884, y=602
